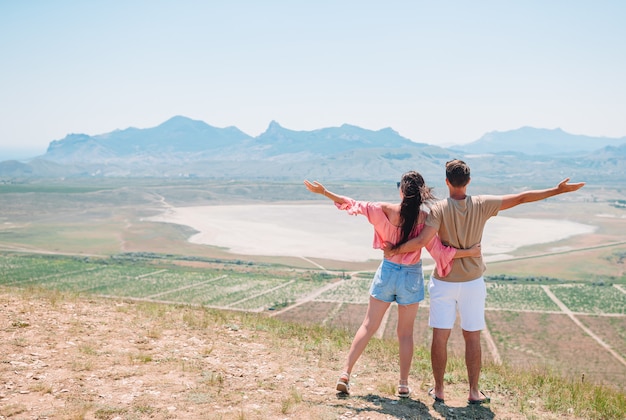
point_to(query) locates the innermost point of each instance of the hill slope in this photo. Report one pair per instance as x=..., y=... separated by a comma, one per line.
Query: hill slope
x=69, y=357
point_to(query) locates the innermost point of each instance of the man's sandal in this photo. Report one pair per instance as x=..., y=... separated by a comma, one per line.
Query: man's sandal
x=485, y=400
x=343, y=383
x=434, y=396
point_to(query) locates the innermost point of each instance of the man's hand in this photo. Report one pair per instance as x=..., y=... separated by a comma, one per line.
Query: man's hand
x=388, y=249
x=564, y=187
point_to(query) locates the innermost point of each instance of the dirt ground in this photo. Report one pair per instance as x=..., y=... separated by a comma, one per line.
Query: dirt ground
x=80, y=358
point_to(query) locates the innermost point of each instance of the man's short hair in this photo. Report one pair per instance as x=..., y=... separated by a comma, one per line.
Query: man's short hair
x=457, y=173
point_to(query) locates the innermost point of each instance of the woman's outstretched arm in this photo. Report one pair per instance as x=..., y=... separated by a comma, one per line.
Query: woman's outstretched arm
x=317, y=188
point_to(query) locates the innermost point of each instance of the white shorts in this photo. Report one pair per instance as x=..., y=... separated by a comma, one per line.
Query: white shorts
x=468, y=298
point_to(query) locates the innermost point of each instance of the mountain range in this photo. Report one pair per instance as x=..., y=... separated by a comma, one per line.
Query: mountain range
x=182, y=147
x=539, y=142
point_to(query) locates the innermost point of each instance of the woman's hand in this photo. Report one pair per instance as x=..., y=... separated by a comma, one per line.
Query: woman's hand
x=388, y=249
x=314, y=187
x=475, y=251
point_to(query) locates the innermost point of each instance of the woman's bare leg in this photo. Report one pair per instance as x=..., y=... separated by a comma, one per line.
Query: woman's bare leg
x=375, y=311
x=406, y=322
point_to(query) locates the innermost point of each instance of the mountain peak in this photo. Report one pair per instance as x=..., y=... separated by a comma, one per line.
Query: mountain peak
x=274, y=129
x=274, y=125
x=180, y=121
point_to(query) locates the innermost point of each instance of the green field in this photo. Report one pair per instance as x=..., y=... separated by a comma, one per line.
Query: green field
x=158, y=280
x=518, y=297
x=592, y=299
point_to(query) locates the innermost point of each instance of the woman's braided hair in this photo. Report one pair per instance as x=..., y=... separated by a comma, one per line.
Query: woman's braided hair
x=415, y=192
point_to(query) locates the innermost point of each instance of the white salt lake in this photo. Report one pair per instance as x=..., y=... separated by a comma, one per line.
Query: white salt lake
x=322, y=231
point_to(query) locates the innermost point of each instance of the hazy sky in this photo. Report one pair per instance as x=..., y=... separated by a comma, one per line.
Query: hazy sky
x=438, y=72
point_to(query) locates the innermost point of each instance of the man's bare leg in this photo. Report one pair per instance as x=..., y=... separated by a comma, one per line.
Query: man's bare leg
x=473, y=360
x=439, y=358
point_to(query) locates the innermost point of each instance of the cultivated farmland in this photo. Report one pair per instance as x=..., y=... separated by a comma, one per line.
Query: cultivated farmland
x=592, y=299
x=520, y=297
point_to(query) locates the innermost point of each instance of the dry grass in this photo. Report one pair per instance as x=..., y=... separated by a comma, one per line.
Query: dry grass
x=71, y=357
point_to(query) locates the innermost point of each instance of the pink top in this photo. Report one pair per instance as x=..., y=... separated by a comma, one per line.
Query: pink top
x=384, y=231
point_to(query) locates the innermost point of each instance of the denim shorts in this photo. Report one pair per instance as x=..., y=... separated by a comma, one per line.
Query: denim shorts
x=399, y=283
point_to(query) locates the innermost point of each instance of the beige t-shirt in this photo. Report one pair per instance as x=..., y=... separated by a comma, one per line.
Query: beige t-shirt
x=460, y=224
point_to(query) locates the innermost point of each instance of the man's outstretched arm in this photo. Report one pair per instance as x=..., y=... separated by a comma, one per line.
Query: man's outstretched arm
x=512, y=200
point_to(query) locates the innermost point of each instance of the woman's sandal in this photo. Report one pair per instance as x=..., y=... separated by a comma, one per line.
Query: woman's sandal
x=343, y=384
x=403, y=391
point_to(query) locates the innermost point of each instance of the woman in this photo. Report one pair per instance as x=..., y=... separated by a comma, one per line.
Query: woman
x=399, y=278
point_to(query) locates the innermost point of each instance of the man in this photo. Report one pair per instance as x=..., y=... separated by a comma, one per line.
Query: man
x=459, y=220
